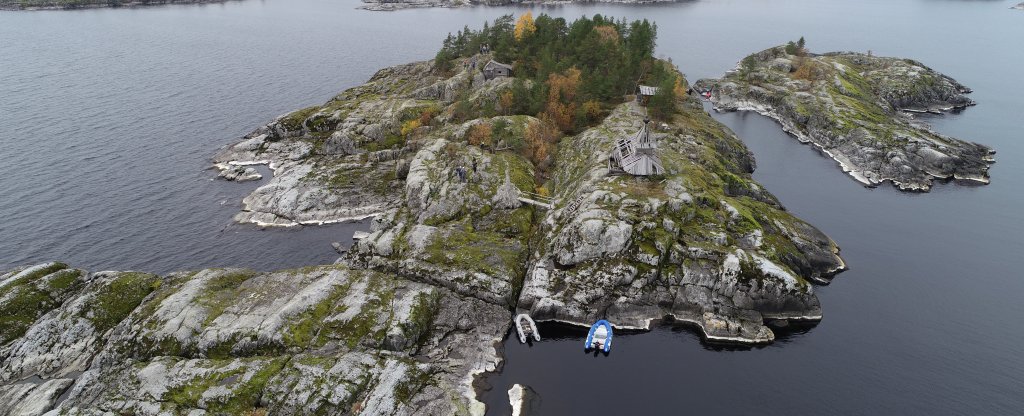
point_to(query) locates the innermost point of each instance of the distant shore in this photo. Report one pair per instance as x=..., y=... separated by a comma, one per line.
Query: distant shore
x=13, y=5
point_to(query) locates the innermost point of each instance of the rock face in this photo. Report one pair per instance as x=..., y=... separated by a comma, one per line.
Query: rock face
x=855, y=107
x=390, y=5
x=415, y=309
x=89, y=4
x=346, y=159
x=703, y=244
x=318, y=340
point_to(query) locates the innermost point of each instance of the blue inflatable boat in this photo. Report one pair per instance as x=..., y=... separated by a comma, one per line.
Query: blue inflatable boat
x=600, y=336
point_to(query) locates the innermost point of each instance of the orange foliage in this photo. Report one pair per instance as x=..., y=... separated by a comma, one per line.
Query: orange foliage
x=607, y=33
x=561, y=106
x=540, y=137
x=480, y=134
x=506, y=100
x=592, y=109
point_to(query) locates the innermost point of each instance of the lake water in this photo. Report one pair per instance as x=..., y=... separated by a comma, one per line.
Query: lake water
x=108, y=120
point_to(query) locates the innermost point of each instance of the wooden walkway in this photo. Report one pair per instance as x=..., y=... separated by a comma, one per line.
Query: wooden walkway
x=536, y=200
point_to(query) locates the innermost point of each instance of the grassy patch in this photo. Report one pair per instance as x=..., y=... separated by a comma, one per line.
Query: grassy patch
x=117, y=300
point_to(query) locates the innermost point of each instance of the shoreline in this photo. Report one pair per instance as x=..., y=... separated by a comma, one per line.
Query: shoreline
x=131, y=5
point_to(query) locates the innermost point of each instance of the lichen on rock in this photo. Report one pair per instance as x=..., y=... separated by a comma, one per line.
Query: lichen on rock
x=855, y=108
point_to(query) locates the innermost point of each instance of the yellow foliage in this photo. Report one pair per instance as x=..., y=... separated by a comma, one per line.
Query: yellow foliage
x=679, y=89
x=542, y=191
x=410, y=126
x=540, y=137
x=525, y=26
x=592, y=109
x=506, y=100
x=607, y=33
x=561, y=106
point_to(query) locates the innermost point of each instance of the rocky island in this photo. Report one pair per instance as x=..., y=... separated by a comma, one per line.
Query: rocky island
x=492, y=194
x=89, y=4
x=391, y=5
x=857, y=109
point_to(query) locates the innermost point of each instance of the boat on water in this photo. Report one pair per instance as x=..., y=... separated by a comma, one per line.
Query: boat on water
x=600, y=336
x=526, y=328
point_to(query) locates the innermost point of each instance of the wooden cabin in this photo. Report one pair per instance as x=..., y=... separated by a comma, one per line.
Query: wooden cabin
x=644, y=94
x=636, y=155
x=495, y=69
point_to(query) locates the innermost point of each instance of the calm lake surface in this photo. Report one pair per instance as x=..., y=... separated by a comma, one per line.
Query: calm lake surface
x=108, y=120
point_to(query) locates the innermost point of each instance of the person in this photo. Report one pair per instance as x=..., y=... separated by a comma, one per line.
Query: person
x=597, y=344
x=474, y=165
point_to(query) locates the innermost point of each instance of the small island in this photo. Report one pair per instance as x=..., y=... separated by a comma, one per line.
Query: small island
x=90, y=4
x=523, y=170
x=391, y=5
x=857, y=108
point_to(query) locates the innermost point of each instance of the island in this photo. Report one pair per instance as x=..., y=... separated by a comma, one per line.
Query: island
x=391, y=5
x=857, y=108
x=522, y=170
x=89, y=4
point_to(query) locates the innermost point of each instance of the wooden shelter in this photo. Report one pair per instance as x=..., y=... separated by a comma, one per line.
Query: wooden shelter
x=495, y=69
x=644, y=94
x=637, y=155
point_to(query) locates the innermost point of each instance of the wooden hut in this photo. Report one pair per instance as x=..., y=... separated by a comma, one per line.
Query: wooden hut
x=644, y=94
x=637, y=155
x=495, y=69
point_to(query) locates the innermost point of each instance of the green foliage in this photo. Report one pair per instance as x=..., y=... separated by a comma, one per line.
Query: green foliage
x=610, y=54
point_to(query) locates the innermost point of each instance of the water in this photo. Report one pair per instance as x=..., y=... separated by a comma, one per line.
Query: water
x=108, y=119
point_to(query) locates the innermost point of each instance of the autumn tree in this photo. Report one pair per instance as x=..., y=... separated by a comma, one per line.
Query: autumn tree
x=561, y=104
x=525, y=26
x=506, y=100
x=480, y=135
x=541, y=138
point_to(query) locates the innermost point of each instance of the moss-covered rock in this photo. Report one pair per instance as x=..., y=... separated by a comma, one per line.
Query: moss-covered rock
x=634, y=249
x=318, y=340
x=855, y=108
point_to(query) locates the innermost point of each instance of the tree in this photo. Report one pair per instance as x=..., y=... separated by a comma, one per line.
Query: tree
x=561, y=105
x=747, y=66
x=506, y=100
x=525, y=26
x=480, y=134
x=663, y=104
x=791, y=48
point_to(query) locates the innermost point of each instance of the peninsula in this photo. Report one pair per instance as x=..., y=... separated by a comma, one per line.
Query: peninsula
x=489, y=174
x=857, y=108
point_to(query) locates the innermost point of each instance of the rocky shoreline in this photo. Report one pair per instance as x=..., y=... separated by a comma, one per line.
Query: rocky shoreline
x=857, y=108
x=392, y=5
x=413, y=313
x=424, y=211
x=29, y=5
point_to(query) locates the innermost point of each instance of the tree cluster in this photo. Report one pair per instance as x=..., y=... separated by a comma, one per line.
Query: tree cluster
x=564, y=71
